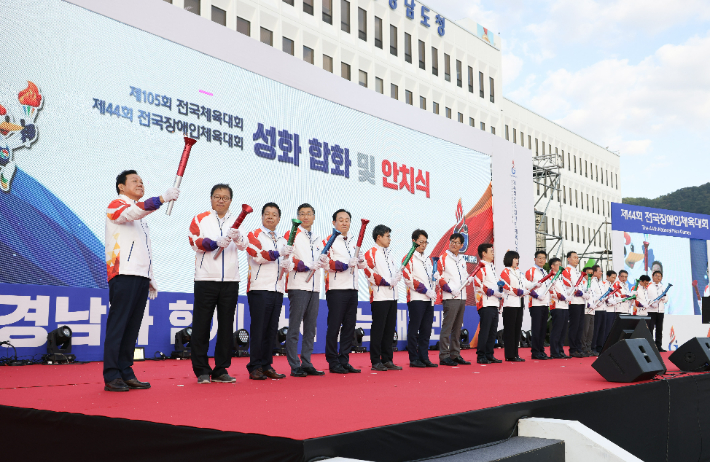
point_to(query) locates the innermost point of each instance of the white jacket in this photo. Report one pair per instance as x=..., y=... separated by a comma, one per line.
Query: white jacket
x=654, y=290
x=127, y=241
x=307, y=247
x=534, y=274
x=380, y=271
x=557, y=291
x=569, y=277
x=514, y=281
x=486, y=279
x=452, y=273
x=596, y=290
x=340, y=276
x=417, y=276
x=264, y=257
x=616, y=305
x=205, y=229
x=642, y=301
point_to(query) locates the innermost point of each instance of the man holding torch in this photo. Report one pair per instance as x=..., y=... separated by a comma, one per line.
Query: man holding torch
x=303, y=296
x=341, y=286
x=571, y=280
x=216, y=284
x=130, y=276
x=539, y=305
x=559, y=312
x=486, y=282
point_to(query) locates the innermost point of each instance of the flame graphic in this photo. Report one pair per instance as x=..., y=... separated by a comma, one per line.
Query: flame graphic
x=30, y=96
x=459, y=211
x=672, y=334
x=3, y=111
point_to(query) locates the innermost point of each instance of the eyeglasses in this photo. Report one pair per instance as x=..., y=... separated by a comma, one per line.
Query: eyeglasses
x=222, y=198
x=456, y=242
x=423, y=243
x=306, y=214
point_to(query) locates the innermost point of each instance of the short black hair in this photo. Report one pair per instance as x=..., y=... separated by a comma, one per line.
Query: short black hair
x=335, y=215
x=644, y=278
x=271, y=204
x=588, y=268
x=458, y=236
x=121, y=178
x=540, y=252
x=569, y=254
x=654, y=273
x=419, y=232
x=553, y=261
x=610, y=273
x=380, y=230
x=305, y=205
x=623, y=271
x=595, y=268
x=483, y=248
x=222, y=186
x=510, y=255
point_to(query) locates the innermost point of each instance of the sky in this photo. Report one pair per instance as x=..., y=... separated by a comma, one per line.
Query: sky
x=633, y=75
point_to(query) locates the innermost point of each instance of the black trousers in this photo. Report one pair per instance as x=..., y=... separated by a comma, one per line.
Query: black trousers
x=208, y=296
x=538, y=319
x=610, y=318
x=384, y=323
x=599, y=336
x=264, y=310
x=342, y=311
x=127, y=296
x=421, y=317
x=487, y=332
x=656, y=322
x=512, y=325
x=576, y=328
x=560, y=321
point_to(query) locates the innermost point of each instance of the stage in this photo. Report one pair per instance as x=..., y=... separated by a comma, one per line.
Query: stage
x=394, y=415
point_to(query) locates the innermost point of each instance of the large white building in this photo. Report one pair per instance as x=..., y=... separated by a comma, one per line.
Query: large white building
x=406, y=51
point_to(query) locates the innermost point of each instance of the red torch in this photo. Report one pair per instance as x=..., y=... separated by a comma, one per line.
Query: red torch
x=645, y=256
x=360, y=237
x=473, y=273
x=181, y=168
x=246, y=210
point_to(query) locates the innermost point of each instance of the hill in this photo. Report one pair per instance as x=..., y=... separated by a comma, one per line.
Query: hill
x=695, y=199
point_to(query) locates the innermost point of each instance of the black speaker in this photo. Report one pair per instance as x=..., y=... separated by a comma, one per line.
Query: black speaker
x=706, y=310
x=632, y=327
x=628, y=361
x=693, y=355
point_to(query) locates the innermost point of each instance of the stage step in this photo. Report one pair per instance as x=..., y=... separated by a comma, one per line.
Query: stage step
x=516, y=449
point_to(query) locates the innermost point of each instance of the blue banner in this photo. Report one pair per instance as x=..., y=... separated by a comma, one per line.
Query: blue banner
x=646, y=220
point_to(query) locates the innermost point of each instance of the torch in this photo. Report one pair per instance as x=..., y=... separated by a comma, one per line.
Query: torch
x=181, y=168
x=475, y=271
x=291, y=237
x=435, y=262
x=663, y=294
x=246, y=210
x=556, y=276
x=327, y=247
x=405, y=262
x=645, y=256
x=360, y=237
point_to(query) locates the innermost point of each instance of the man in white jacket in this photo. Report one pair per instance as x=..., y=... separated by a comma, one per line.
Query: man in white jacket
x=216, y=284
x=129, y=267
x=304, y=297
x=486, y=283
x=539, y=305
x=657, y=309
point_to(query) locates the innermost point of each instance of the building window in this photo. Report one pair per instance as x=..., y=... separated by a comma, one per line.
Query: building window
x=362, y=24
x=308, y=7
x=587, y=202
x=543, y=148
x=569, y=162
x=607, y=177
x=379, y=86
x=470, y=79
x=483, y=126
x=345, y=71
x=168, y=1
x=506, y=133
x=394, y=91
x=529, y=142
x=522, y=138
x=448, y=112
x=578, y=234
x=328, y=11
x=219, y=15
x=447, y=67
x=617, y=181
x=434, y=61
x=363, y=79
x=193, y=6
x=493, y=130
x=596, y=169
x=436, y=108
x=408, y=97
x=243, y=26
x=576, y=199
x=328, y=63
x=563, y=159
x=480, y=85
x=471, y=122
x=408, y=48
x=287, y=46
x=564, y=195
x=422, y=55
x=459, y=74
x=308, y=55
x=422, y=102
x=515, y=137
x=460, y=118
x=378, y=32
x=575, y=164
x=267, y=37
x=553, y=226
x=393, y=40
x=290, y=2
x=492, y=83
x=345, y=16
x=537, y=151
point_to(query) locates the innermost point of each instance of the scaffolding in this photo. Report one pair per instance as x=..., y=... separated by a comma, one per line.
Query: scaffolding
x=546, y=176
x=603, y=257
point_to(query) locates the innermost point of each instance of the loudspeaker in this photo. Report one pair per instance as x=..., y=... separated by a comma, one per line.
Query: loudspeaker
x=628, y=361
x=706, y=310
x=693, y=355
x=632, y=327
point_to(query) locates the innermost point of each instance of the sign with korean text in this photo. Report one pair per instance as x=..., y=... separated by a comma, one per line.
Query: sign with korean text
x=637, y=219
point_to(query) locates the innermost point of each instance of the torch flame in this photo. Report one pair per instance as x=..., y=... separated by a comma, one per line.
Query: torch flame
x=30, y=96
x=3, y=111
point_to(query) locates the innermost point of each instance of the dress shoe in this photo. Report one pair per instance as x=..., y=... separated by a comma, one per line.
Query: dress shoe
x=517, y=359
x=312, y=371
x=338, y=369
x=416, y=363
x=428, y=363
x=224, y=378
x=351, y=369
x=257, y=374
x=566, y=357
x=556, y=357
x=379, y=367
x=205, y=378
x=460, y=360
x=392, y=366
x=661, y=350
x=298, y=373
x=595, y=353
x=116, y=385
x=576, y=354
x=447, y=362
x=482, y=360
x=135, y=384
x=494, y=360
x=540, y=357
x=272, y=374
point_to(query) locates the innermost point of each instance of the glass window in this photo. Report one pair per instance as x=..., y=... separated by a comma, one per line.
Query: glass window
x=243, y=26
x=345, y=71
x=328, y=11
x=575, y=164
x=290, y=2
x=408, y=97
x=447, y=67
x=506, y=133
x=394, y=91
x=379, y=85
x=422, y=102
x=460, y=118
x=288, y=46
x=308, y=7
x=219, y=15
x=378, y=32
x=480, y=85
x=515, y=137
x=483, y=126
x=436, y=108
x=345, y=16
x=267, y=37
x=422, y=55
x=308, y=55
x=448, y=112
x=328, y=63
x=493, y=129
x=393, y=40
x=537, y=150
x=470, y=79
x=193, y=6
x=459, y=74
x=363, y=78
x=529, y=142
x=434, y=61
x=493, y=98
x=471, y=122
x=408, y=48
x=362, y=24
x=522, y=139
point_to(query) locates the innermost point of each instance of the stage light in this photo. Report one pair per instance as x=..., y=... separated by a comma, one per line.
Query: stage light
x=182, y=344
x=357, y=347
x=139, y=354
x=394, y=342
x=280, y=349
x=241, y=343
x=59, y=346
x=465, y=345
